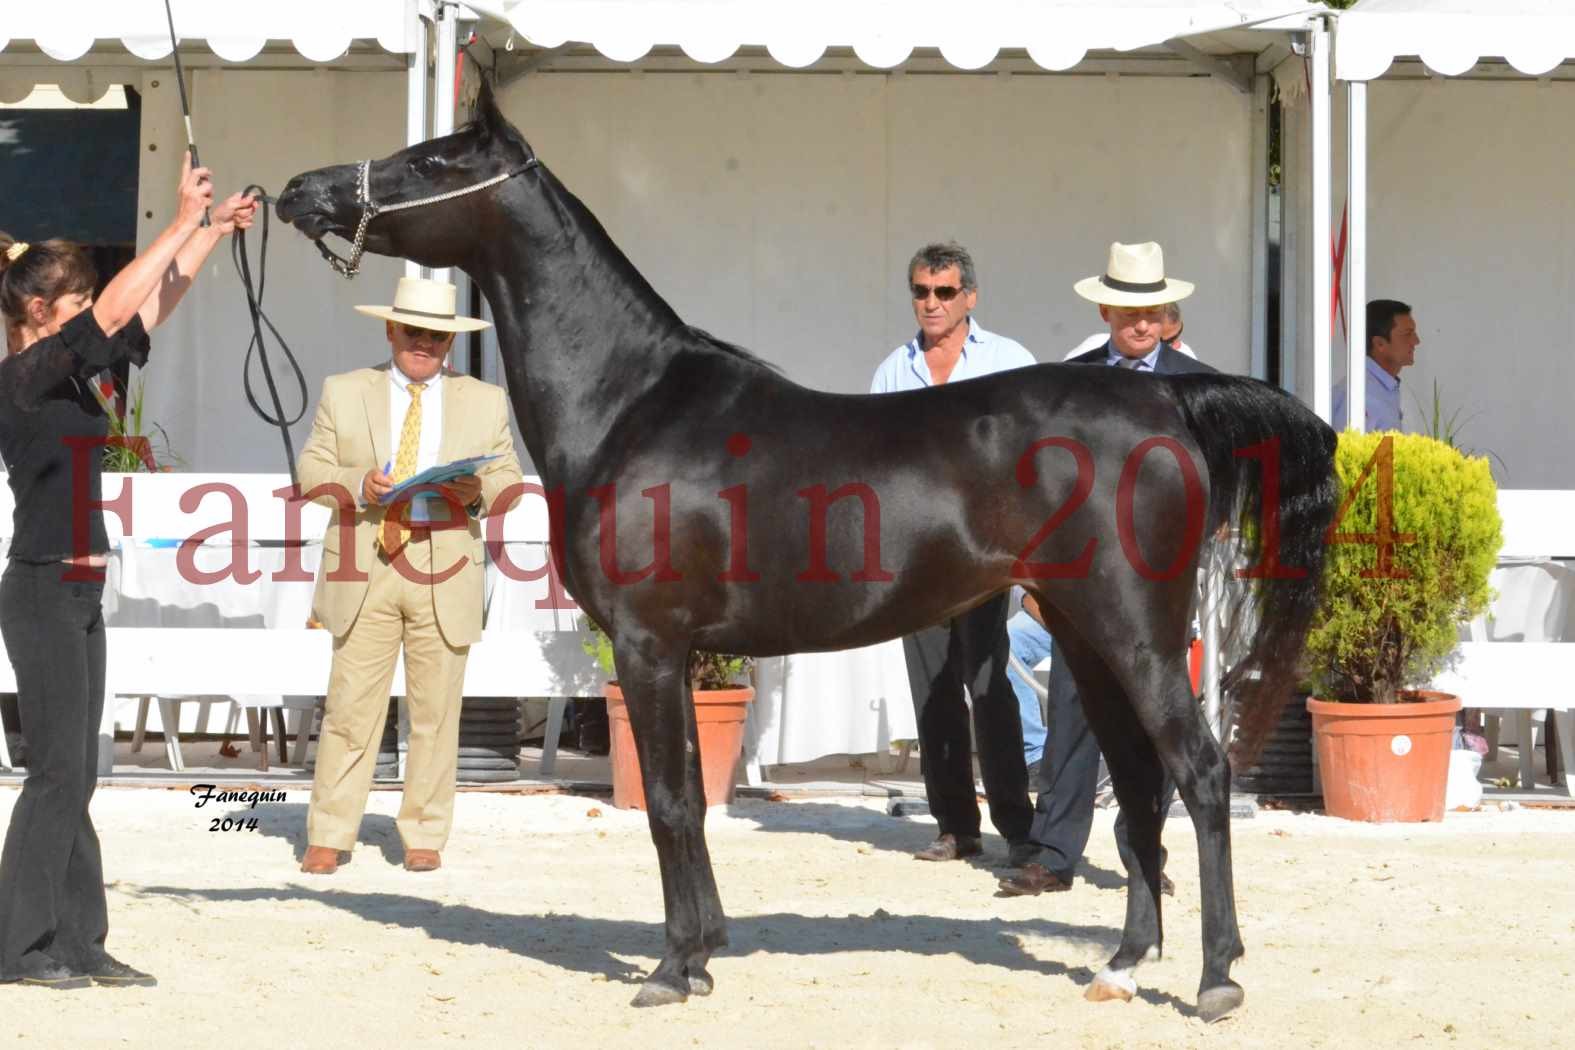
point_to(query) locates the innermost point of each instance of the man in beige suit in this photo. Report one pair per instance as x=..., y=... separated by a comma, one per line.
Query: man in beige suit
x=387, y=583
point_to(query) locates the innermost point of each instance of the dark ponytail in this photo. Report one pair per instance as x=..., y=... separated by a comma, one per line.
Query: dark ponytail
x=48, y=270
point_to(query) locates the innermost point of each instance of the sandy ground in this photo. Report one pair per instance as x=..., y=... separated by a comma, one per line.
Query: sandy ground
x=549, y=909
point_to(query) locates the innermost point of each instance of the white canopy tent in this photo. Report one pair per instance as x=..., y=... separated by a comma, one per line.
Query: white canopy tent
x=1452, y=36
x=1107, y=39
x=1215, y=200
x=1502, y=41
x=65, y=30
x=1057, y=34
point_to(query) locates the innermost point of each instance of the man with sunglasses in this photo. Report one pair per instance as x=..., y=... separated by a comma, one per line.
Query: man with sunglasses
x=971, y=649
x=391, y=579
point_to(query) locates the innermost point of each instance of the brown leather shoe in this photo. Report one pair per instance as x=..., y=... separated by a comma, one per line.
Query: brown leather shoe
x=951, y=847
x=323, y=860
x=1033, y=880
x=423, y=860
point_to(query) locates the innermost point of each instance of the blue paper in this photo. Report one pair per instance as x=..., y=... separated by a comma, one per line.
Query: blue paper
x=430, y=506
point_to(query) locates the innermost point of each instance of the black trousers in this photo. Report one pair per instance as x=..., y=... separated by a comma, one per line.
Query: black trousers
x=1069, y=778
x=51, y=876
x=971, y=650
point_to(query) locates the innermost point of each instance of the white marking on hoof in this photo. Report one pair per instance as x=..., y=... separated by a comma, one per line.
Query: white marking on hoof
x=1152, y=955
x=1111, y=984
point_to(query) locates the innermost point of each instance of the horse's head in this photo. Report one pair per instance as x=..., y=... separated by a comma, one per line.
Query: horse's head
x=432, y=232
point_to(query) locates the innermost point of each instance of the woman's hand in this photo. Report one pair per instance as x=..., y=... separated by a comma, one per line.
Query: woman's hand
x=235, y=212
x=196, y=193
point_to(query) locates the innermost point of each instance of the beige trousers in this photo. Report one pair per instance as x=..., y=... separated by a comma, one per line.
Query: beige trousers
x=398, y=612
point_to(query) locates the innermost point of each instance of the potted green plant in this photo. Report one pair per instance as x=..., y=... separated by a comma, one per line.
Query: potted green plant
x=1411, y=548
x=719, y=685
x=134, y=444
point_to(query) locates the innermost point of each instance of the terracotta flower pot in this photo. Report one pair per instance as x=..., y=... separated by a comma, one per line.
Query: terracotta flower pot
x=1385, y=762
x=720, y=715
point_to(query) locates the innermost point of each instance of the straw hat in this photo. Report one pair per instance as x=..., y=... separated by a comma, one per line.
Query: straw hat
x=1134, y=276
x=427, y=304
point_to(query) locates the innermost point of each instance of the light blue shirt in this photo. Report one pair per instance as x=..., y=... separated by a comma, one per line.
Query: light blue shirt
x=982, y=353
x=1383, y=400
x=1145, y=363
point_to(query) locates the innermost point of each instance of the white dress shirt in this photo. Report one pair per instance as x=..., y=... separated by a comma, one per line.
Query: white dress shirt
x=431, y=418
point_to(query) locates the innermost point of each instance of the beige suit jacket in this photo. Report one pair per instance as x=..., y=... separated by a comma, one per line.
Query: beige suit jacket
x=351, y=436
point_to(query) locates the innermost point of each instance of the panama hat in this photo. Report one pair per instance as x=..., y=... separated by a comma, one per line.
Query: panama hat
x=1134, y=276
x=426, y=304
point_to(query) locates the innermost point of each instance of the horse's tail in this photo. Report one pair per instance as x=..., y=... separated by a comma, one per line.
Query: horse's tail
x=1289, y=459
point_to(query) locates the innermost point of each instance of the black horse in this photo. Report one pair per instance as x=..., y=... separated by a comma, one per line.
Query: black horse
x=702, y=500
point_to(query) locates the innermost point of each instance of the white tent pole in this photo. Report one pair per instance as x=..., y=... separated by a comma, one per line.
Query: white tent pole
x=443, y=89
x=1322, y=169
x=1258, y=288
x=415, y=94
x=1356, y=253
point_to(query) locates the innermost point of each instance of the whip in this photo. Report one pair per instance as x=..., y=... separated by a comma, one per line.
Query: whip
x=254, y=293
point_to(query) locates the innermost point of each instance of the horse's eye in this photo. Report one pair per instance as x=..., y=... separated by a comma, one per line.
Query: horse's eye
x=426, y=166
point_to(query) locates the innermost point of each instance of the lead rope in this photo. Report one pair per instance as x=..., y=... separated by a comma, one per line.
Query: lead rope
x=254, y=297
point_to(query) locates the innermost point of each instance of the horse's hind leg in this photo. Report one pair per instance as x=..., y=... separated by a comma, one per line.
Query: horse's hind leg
x=1171, y=718
x=1137, y=777
x=666, y=739
x=1202, y=775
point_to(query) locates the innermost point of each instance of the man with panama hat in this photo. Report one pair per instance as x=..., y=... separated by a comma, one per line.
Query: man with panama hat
x=1131, y=295
x=387, y=583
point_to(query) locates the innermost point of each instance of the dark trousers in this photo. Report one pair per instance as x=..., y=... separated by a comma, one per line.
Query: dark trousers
x=51, y=877
x=1069, y=778
x=971, y=650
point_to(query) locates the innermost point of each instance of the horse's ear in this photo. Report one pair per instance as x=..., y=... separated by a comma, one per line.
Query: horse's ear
x=488, y=116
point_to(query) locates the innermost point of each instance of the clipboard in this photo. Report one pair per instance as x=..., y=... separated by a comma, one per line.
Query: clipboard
x=430, y=506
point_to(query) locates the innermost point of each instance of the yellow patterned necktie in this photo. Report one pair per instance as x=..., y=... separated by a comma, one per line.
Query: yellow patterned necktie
x=395, y=533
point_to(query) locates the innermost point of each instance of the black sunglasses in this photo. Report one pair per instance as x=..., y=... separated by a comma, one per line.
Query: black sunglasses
x=944, y=292
x=414, y=331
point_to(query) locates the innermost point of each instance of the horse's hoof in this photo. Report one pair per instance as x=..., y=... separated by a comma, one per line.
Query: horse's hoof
x=1110, y=985
x=1218, y=1002
x=653, y=993
x=700, y=982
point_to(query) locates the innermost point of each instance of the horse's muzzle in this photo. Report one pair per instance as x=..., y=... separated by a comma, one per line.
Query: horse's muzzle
x=301, y=208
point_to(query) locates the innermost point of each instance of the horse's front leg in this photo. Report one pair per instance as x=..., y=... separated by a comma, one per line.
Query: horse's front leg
x=661, y=714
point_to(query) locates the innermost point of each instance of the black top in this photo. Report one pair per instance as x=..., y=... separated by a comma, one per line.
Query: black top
x=51, y=433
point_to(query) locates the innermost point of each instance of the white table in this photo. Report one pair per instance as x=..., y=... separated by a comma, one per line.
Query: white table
x=852, y=702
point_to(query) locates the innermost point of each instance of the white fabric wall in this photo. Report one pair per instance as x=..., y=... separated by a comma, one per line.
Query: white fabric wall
x=777, y=211
x=1470, y=222
x=780, y=211
x=261, y=127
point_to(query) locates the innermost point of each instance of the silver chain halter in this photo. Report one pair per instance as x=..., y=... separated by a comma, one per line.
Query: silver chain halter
x=370, y=209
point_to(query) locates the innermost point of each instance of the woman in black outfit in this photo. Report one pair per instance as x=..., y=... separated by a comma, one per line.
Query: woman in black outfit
x=53, y=917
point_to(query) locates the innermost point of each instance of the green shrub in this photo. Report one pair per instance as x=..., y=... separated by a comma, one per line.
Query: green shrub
x=1374, y=637
x=706, y=670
